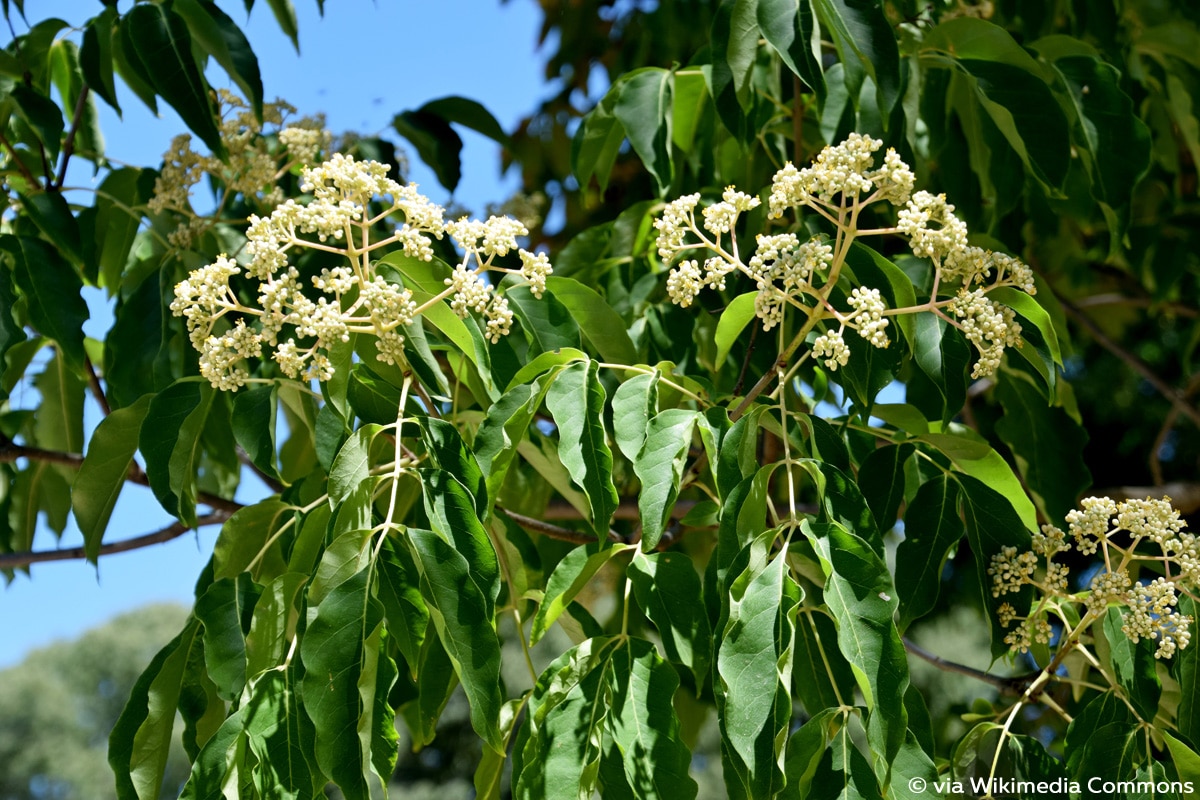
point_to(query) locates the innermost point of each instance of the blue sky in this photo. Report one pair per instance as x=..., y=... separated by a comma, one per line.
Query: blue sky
x=360, y=65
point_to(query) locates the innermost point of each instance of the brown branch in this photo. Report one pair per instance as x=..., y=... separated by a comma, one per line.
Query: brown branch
x=554, y=531
x=10, y=451
x=16, y=159
x=1173, y=395
x=97, y=389
x=1015, y=685
x=172, y=531
x=69, y=144
x=272, y=484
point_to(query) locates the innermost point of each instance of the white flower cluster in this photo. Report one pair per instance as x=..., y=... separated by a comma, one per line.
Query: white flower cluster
x=989, y=326
x=1150, y=607
x=252, y=168
x=844, y=169
x=349, y=214
x=842, y=181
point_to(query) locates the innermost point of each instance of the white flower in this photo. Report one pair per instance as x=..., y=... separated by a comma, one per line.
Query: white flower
x=831, y=347
x=868, y=316
x=535, y=268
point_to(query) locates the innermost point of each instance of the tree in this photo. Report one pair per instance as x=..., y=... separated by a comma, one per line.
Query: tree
x=60, y=703
x=661, y=429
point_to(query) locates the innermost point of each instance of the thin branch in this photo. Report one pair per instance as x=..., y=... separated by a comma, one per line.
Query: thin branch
x=172, y=531
x=69, y=144
x=10, y=451
x=16, y=159
x=274, y=485
x=1117, y=299
x=97, y=389
x=1173, y=395
x=1015, y=685
x=554, y=531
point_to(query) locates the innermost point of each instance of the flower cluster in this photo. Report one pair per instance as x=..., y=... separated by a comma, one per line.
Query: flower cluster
x=1151, y=606
x=355, y=210
x=253, y=166
x=793, y=274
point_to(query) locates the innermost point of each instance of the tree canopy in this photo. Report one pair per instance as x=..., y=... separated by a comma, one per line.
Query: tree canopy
x=864, y=316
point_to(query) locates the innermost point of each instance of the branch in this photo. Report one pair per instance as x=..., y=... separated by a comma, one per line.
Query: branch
x=554, y=531
x=69, y=144
x=97, y=389
x=10, y=451
x=1015, y=685
x=1173, y=395
x=16, y=159
x=172, y=531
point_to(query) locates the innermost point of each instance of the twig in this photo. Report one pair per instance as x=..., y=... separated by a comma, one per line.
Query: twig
x=172, y=531
x=554, y=531
x=97, y=389
x=69, y=142
x=1116, y=299
x=10, y=451
x=272, y=484
x=1173, y=395
x=1015, y=685
x=16, y=159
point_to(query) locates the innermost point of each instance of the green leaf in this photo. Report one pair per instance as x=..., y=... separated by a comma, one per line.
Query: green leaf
x=863, y=30
x=11, y=332
x=992, y=525
x=1009, y=86
x=1047, y=444
x=688, y=107
x=435, y=142
x=881, y=479
x=470, y=114
x=220, y=37
x=634, y=402
x=1111, y=753
x=452, y=515
x=352, y=464
x=1134, y=665
x=170, y=444
x=547, y=321
x=405, y=609
x=506, y=425
x=842, y=502
x=733, y=321
x=52, y=215
x=96, y=56
x=576, y=402
x=117, y=223
x=345, y=666
x=861, y=597
x=931, y=527
x=822, y=678
x=734, y=41
x=599, y=323
x=243, y=543
x=214, y=762
x=1118, y=139
x=667, y=587
x=42, y=115
x=280, y=735
x=140, y=741
x=753, y=675
x=1021, y=758
x=567, y=580
x=543, y=363
x=129, y=67
x=274, y=621
x=162, y=50
x=643, y=108
x=804, y=751
x=788, y=26
x=1186, y=669
x=659, y=466
x=285, y=17
x=458, y=610
x=103, y=472
x=942, y=356
x=451, y=453
x=223, y=609
x=1187, y=763
x=53, y=291
x=643, y=726
x=254, y=413
x=975, y=457
x=597, y=141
